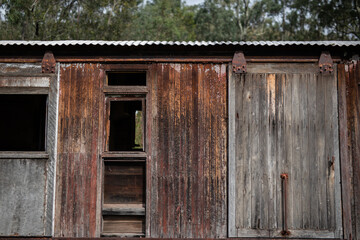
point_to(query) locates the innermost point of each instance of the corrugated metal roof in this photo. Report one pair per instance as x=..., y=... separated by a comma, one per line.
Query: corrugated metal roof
x=177, y=43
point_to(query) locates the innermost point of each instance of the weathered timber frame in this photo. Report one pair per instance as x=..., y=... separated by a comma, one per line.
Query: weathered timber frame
x=29, y=79
x=127, y=93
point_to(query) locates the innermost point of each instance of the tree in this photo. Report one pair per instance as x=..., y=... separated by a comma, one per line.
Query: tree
x=163, y=20
x=341, y=19
x=66, y=19
x=215, y=22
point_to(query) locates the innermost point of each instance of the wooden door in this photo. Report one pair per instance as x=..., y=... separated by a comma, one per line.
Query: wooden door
x=283, y=119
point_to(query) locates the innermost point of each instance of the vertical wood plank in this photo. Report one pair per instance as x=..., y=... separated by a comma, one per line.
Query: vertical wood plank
x=294, y=190
x=320, y=150
x=255, y=164
x=280, y=142
x=246, y=142
x=76, y=212
x=288, y=144
x=354, y=125
x=272, y=95
x=304, y=153
x=190, y=158
x=200, y=145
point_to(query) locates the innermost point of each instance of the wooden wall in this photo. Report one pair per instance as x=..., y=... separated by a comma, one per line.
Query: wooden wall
x=349, y=122
x=78, y=151
x=188, y=161
x=186, y=140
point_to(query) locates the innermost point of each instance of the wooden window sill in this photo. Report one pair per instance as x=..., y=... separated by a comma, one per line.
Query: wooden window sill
x=23, y=155
x=124, y=209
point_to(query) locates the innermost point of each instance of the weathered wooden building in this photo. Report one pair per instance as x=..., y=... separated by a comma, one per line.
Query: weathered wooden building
x=180, y=140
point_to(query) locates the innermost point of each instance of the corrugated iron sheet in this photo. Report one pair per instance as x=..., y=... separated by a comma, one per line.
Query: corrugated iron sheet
x=177, y=43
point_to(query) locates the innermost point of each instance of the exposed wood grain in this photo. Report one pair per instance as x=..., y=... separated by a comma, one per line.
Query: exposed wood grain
x=353, y=113
x=123, y=209
x=189, y=99
x=232, y=80
x=284, y=122
x=78, y=152
x=126, y=89
x=24, y=81
x=356, y=148
x=25, y=69
x=123, y=224
x=27, y=155
x=24, y=90
x=305, y=161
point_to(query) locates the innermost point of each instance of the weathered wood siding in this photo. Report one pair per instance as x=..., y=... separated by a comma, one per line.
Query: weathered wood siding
x=349, y=122
x=27, y=178
x=76, y=208
x=188, y=159
x=283, y=119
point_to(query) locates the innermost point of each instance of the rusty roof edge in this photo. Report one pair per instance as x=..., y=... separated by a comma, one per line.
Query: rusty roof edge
x=178, y=43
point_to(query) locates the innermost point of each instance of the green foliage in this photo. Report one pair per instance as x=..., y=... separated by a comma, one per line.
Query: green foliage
x=213, y=20
x=167, y=20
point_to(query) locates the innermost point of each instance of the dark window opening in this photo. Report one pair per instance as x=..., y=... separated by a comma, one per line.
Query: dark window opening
x=127, y=78
x=22, y=122
x=126, y=126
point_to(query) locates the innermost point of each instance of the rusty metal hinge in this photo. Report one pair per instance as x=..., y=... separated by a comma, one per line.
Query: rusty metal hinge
x=239, y=62
x=48, y=63
x=326, y=62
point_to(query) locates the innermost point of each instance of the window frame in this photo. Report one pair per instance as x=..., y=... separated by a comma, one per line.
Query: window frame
x=28, y=84
x=125, y=93
x=120, y=98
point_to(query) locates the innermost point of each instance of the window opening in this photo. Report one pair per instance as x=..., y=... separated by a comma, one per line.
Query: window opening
x=22, y=122
x=127, y=78
x=126, y=126
x=124, y=159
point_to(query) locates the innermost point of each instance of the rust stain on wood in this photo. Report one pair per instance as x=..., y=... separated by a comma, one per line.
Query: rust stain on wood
x=351, y=152
x=78, y=141
x=188, y=166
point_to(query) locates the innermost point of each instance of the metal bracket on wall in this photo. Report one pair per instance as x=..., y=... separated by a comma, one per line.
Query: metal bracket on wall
x=239, y=62
x=326, y=63
x=48, y=63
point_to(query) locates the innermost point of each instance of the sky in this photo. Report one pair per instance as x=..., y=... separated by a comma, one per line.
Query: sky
x=193, y=2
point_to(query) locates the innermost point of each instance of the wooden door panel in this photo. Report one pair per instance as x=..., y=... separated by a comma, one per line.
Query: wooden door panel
x=283, y=120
